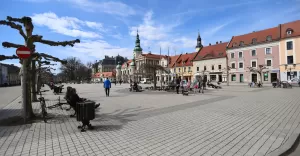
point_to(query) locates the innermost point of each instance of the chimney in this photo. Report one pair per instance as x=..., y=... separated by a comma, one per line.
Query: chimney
x=279, y=28
x=216, y=42
x=220, y=41
x=186, y=53
x=253, y=31
x=210, y=44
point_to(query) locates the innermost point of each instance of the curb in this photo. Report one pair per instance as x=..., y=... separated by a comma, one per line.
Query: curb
x=289, y=146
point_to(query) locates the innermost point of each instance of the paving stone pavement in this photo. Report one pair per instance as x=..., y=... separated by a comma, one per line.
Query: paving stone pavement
x=257, y=122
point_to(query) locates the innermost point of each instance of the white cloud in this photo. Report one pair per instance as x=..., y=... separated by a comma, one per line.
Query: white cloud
x=155, y=35
x=69, y=26
x=109, y=7
x=97, y=49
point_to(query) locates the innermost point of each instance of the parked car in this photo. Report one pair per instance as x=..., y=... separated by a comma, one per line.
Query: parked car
x=294, y=82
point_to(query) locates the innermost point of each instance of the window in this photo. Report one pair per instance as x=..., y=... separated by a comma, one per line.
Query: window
x=220, y=67
x=254, y=40
x=268, y=51
x=184, y=69
x=253, y=64
x=289, y=31
x=232, y=55
x=212, y=67
x=233, y=77
x=253, y=52
x=241, y=43
x=189, y=69
x=269, y=38
x=234, y=44
x=290, y=59
x=241, y=65
x=204, y=67
x=269, y=63
x=174, y=70
x=289, y=45
x=240, y=54
x=179, y=70
x=197, y=68
x=233, y=65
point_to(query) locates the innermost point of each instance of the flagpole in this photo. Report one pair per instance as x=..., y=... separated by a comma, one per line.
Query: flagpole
x=168, y=66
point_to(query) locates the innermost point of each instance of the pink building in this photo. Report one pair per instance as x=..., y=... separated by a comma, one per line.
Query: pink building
x=255, y=49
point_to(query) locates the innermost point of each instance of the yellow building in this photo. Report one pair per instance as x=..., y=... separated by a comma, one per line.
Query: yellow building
x=289, y=50
x=183, y=66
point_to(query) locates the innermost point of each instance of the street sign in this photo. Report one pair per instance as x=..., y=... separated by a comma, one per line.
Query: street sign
x=23, y=52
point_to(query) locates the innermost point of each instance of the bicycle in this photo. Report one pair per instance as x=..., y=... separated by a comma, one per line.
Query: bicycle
x=43, y=104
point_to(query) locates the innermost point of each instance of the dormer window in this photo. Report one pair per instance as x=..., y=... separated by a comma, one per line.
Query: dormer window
x=234, y=44
x=241, y=43
x=269, y=38
x=289, y=31
x=254, y=40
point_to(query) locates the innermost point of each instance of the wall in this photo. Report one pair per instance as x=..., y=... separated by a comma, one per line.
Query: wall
x=261, y=57
x=209, y=63
x=283, y=57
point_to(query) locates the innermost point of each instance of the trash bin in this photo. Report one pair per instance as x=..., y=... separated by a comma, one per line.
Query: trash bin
x=85, y=111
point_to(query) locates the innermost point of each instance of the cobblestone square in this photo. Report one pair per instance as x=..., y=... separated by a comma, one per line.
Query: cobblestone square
x=235, y=120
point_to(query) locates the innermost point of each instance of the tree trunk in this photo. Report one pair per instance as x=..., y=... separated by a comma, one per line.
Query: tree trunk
x=33, y=81
x=154, y=80
x=28, y=86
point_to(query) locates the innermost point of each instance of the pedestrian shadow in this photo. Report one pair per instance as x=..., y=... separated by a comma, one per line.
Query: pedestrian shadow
x=117, y=119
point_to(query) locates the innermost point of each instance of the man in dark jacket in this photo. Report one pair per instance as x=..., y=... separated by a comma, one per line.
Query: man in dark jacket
x=177, y=85
x=107, y=86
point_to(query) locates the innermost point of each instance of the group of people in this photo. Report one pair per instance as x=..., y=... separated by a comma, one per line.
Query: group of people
x=197, y=84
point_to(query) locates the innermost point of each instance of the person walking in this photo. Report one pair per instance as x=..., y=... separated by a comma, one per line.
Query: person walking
x=107, y=86
x=177, y=85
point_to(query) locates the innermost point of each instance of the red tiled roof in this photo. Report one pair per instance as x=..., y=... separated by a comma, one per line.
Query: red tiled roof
x=211, y=52
x=172, y=60
x=293, y=26
x=128, y=62
x=97, y=75
x=107, y=74
x=153, y=56
x=187, y=58
x=260, y=36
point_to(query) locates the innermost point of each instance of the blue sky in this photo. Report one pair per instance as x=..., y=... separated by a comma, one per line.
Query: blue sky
x=108, y=27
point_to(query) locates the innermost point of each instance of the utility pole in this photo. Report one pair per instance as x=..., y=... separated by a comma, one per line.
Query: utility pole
x=160, y=71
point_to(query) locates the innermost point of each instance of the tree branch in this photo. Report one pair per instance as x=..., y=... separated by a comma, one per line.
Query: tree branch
x=14, y=26
x=50, y=58
x=11, y=19
x=11, y=45
x=3, y=57
x=38, y=38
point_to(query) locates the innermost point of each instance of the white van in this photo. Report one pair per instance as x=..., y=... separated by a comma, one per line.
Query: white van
x=145, y=81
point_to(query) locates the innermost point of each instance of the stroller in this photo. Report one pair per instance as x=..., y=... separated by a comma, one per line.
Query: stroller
x=185, y=90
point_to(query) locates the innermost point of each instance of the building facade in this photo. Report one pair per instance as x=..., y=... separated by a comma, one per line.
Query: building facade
x=258, y=51
x=183, y=66
x=210, y=61
x=289, y=50
x=9, y=75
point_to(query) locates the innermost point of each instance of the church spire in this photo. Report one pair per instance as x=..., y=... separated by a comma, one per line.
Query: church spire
x=137, y=47
x=199, y=43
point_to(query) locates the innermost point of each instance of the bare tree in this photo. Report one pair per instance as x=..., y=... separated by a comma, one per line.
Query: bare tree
x=75, y=70
x=28, y=64
x=227, y=70
x=258, y=70
x=151, y=69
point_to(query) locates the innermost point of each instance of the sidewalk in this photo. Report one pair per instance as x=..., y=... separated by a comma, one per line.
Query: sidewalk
x=257, y=123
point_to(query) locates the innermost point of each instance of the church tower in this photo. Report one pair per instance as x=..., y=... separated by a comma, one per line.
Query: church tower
x=199, y=45
x=137, y=49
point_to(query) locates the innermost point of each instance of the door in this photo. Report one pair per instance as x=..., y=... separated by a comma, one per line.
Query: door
x=241, y=77
x=220, y=78
x=254, y=77
x=273, y=77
